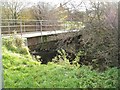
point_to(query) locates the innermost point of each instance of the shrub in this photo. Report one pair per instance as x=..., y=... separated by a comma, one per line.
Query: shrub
x=61, y=58
x=15, y=44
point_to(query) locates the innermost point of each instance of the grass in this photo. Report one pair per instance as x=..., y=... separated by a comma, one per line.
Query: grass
x=22, y=71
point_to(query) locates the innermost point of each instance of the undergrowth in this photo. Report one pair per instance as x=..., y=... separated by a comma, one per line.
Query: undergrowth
x=21, y=71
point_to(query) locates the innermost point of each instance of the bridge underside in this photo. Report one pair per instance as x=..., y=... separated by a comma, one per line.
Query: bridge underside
x=47, y=50
x=48, y=41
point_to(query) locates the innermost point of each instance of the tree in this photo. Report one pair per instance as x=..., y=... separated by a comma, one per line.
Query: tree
x=62, y=12
x=12, y=9
x=100, y=35
x=43, y=11
x=27, y=14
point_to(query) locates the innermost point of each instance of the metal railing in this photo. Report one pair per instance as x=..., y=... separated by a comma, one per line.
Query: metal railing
x=10, y=26
x=22, y=26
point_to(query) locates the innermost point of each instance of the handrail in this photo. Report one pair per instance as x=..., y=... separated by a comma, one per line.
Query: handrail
x=27, y=20
x=22, y=26
x=35, y=20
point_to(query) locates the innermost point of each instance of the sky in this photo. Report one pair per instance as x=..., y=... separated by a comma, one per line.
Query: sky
x=35, y=1
x=56, y=2
x=59, y=1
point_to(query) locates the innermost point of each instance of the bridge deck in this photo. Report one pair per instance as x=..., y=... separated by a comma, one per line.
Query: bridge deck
x=45, y=33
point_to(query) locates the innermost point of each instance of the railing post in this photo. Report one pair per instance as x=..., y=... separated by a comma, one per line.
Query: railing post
x=24, y=26
x=41, y=29
x=9, y=27
x=36, y=26
x=61, y=22
x=54, y=26
x=21, y=28
x=64, y=25
x=55, y=30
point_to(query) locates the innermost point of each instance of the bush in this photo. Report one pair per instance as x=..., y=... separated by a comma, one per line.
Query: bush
x=61, y=58
x=15, y=44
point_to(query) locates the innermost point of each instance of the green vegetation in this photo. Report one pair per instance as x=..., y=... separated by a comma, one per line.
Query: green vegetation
x=21, y=70
x=71, y=25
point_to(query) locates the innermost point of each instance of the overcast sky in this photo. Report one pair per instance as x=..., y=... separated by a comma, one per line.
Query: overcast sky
x=58, y=1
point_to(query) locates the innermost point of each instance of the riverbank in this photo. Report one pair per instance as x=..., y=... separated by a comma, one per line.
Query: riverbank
x=22, y=71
